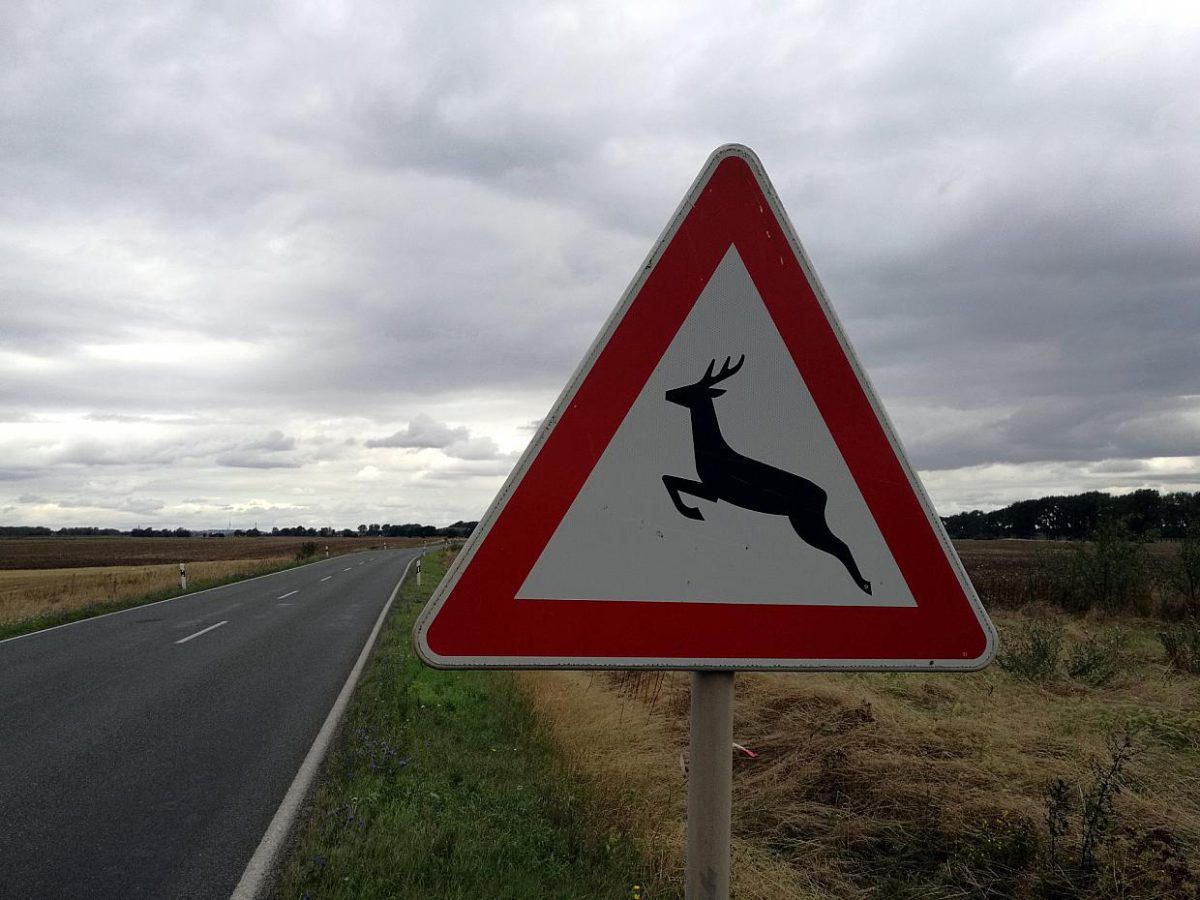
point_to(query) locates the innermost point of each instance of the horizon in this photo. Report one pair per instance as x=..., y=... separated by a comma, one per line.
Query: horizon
x=307, y=264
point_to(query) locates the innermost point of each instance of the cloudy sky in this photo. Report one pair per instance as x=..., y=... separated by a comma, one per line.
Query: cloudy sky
x=328, y=263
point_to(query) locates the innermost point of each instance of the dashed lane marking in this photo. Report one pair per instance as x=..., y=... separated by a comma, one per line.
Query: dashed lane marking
x=201, y=631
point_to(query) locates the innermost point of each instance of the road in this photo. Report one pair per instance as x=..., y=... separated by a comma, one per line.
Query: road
x=143, y=754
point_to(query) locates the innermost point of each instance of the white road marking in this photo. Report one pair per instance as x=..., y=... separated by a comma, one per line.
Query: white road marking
x=327, y=577
x=288, y=594
x=347, y=569
x=201, y=631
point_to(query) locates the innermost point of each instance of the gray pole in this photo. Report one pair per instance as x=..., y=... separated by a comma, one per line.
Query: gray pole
x=710, y=787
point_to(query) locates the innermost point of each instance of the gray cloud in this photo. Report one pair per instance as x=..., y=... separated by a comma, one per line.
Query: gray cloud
x=240, y=460
x=422, y=432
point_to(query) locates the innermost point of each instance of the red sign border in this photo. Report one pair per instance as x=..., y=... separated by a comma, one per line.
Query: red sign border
x=474, y=619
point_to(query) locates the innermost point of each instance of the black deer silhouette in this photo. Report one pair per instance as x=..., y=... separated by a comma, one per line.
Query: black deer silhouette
x=727, y=475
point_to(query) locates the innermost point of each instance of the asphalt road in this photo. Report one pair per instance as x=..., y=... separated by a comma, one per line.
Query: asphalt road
x=143, y=754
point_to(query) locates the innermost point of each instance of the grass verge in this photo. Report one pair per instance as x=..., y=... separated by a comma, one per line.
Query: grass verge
x=443, y=784
x=55, y=617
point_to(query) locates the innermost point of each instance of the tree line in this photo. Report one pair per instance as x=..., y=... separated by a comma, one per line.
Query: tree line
x=412, y=529
x=1145, y=514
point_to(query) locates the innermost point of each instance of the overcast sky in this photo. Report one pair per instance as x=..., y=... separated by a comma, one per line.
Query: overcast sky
x=328, y=263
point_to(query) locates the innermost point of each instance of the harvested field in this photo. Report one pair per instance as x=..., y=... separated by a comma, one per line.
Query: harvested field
x=77, y=552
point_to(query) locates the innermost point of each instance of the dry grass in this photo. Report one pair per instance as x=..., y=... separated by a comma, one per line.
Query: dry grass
x=904, y=785
x=31, y=592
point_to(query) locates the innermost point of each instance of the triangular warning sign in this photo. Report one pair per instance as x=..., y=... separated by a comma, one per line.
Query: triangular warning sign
x=717, y=487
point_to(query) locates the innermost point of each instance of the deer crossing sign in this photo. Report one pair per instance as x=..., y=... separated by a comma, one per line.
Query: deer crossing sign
x=717, y=487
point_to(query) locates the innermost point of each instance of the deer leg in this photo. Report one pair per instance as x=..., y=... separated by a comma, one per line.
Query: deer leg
x=814, y=531
x=676, y=486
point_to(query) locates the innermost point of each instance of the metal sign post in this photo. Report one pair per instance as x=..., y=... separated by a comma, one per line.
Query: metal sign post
x=710, y=787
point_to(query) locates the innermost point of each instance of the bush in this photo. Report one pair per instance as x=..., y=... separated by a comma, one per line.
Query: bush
x=1182, y=643
x=307, y=551
x=1033, y=651
x=1180, y=573
x=1099, y=658
x=1110, y=570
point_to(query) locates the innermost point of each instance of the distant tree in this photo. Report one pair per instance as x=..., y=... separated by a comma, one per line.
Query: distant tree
x=1145, y=514
x=1142, y=512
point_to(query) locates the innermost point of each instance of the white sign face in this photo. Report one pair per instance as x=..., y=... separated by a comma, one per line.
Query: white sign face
x=625, y=539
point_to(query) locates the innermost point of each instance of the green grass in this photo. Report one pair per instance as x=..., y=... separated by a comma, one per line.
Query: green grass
x=443, y=785
x=18, y=627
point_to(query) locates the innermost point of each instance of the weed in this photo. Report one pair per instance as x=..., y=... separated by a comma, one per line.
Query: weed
x=1033, y=651
x=1071, y=871
x=1058, y=819
x=1182, y=643
x=1098, y=813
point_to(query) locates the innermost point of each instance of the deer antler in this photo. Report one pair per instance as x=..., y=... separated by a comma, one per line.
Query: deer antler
x=727, y=371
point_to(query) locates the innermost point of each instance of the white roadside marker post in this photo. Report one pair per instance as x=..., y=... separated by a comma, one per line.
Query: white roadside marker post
x=182, y=577
x=418, y=571
x=710, y=787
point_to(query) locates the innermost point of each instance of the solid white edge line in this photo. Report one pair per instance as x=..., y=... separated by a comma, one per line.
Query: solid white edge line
x=262, y=863
x=201, y=631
